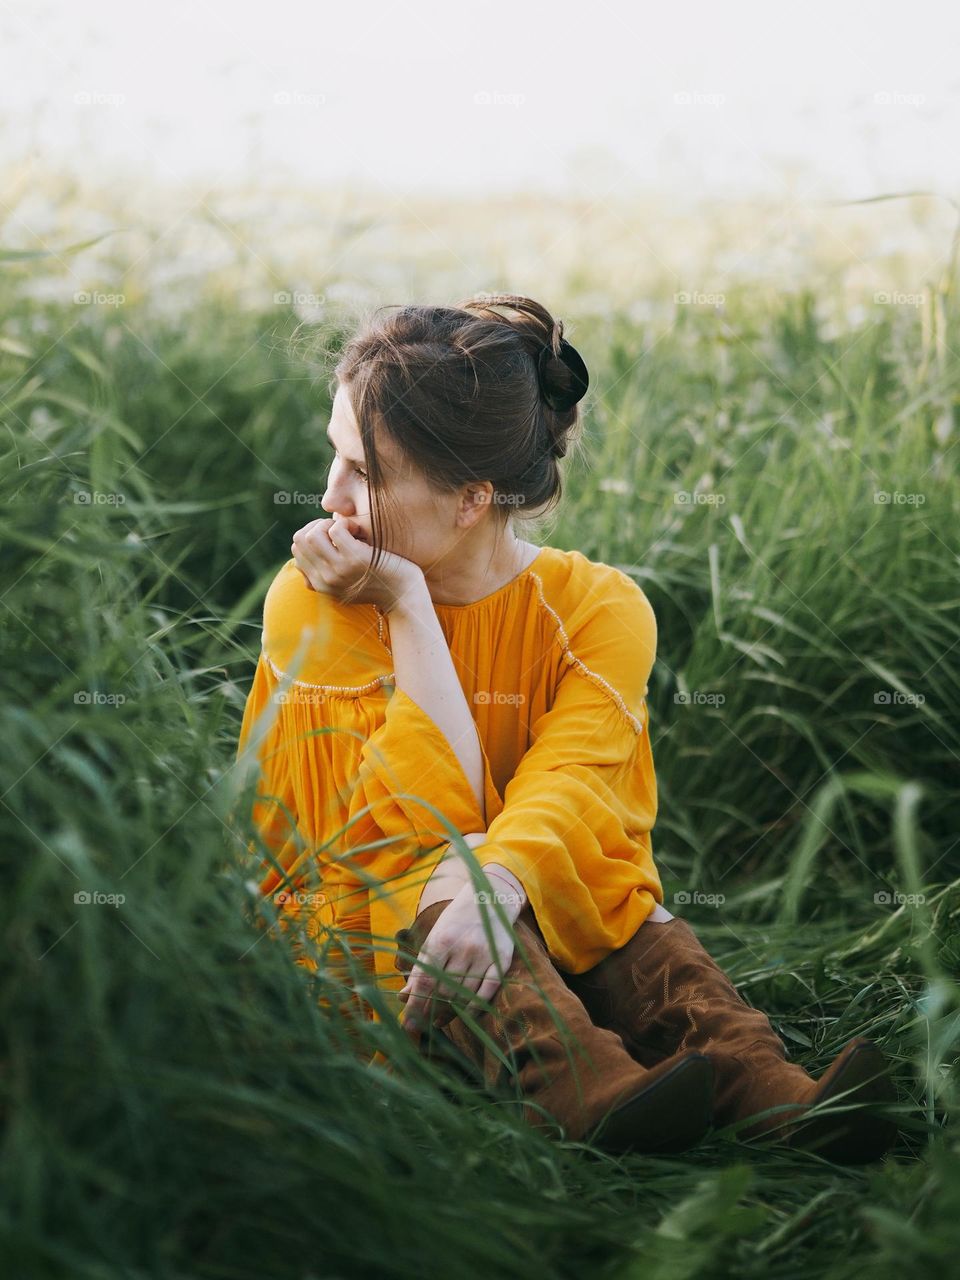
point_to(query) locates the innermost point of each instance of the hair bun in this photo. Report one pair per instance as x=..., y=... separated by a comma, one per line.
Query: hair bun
x=578, y=380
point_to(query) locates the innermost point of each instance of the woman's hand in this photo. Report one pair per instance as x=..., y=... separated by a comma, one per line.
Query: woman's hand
x=451, y=873
x=458, y=944
x=332, y=559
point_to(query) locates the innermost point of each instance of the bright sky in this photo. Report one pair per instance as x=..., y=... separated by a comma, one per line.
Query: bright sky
x=703, y=98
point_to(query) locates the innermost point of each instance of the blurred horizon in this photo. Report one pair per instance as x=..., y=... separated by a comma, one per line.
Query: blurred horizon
x=691, y=104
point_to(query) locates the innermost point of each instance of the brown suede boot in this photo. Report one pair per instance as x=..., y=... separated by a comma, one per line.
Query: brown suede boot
x=590, y=1085
x=663, y=994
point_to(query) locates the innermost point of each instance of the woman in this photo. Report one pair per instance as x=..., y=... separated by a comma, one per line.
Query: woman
x=427, y=660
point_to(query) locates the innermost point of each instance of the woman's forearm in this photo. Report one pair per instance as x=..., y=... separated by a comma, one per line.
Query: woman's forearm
x=424, y=670
x=451, y=873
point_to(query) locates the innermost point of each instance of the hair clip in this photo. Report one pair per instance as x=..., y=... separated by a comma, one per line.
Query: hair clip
x=561, y=400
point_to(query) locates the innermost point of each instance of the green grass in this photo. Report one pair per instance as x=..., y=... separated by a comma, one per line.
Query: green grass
x=174, y=1101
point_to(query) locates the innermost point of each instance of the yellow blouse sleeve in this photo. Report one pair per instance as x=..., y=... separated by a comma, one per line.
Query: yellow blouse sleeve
x=346, y=759
x=404, y=766
x=279, y=727
x=276, y=810
x=577, y=814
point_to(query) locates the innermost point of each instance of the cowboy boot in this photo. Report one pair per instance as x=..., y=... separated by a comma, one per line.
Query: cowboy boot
x=664, y=994
x=594, y=1089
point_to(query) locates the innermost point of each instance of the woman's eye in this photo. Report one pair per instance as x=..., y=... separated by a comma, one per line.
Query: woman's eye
x=360, y=473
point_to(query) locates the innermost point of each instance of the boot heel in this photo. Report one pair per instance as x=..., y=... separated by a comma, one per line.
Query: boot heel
x=857, y=1077
x=670, y=1115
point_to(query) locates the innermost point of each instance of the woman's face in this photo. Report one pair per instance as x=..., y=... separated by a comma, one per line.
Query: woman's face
x=431, y=518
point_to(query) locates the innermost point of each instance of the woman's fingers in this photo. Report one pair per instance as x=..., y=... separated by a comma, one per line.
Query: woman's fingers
x=313, y=551
x=311, y=524
x=419, y=987
x=490, y=984
x=314, y=539
x=423, y=988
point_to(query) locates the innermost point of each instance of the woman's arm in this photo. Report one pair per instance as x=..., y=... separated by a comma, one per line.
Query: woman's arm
x=424, y=670
x=451, y=874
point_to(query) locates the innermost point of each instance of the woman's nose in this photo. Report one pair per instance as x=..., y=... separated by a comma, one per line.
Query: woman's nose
x=335, y=502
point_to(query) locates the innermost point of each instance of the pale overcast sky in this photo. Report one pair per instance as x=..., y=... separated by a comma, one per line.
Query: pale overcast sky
x=707, y=99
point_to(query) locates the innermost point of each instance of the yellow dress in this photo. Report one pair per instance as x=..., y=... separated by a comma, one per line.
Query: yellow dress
x=554, y=666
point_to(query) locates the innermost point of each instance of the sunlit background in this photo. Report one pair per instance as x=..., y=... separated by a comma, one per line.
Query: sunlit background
x=697, y=100
x=659, y=146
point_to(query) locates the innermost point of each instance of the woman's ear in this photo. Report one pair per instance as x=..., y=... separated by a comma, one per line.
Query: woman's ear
x=473, y=500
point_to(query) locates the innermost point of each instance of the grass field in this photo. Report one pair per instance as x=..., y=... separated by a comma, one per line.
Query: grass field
x=778, y=471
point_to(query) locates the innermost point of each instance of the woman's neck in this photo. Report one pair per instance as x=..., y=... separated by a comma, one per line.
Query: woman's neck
x=466, y=583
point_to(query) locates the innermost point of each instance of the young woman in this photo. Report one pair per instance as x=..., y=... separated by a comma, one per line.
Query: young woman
x=425, y=659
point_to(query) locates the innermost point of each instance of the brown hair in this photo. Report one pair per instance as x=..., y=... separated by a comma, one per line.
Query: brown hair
x=459, y=392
